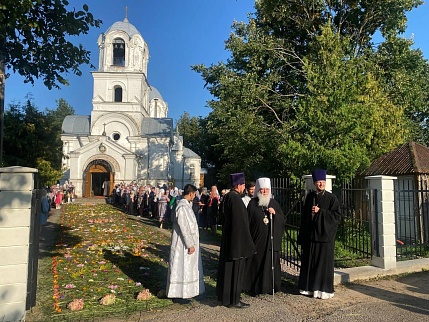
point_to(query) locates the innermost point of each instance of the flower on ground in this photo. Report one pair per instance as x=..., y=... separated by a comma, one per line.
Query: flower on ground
x=70, y=285
x=108, y=299
x=75, y=305
x=144, y=295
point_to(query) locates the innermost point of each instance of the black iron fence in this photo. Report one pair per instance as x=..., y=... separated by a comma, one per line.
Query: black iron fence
x=354, y=245
x=357, y=231
x=411, y=219
x=289, y=194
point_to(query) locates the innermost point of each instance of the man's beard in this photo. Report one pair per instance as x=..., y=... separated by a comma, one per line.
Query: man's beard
x=264, y=200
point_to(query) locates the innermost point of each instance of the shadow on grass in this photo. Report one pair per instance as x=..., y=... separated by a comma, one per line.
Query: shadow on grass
x=56, y=237
x=149, y=273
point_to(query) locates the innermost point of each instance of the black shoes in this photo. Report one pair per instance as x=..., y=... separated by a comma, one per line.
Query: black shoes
x=181, y=301
x=239, y=305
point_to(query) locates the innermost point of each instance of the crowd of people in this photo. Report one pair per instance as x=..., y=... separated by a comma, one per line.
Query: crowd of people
x=161, y=201
x=253, y=226
x=252, y=235
x=59, y=194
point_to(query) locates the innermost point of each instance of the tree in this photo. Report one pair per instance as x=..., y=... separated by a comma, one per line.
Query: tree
x=196, y=137
x=33, y=138
x=300, y=77
x=55, y=118
x=347, y=119
x=403, y=73
x=34, y=42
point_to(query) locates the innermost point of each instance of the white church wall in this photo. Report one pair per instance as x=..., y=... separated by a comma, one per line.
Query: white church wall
x=147, y=159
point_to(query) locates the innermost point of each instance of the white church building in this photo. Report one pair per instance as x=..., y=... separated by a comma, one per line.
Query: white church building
x=128, y=136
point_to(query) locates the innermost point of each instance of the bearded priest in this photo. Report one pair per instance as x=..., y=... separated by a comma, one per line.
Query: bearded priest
x=266, y=220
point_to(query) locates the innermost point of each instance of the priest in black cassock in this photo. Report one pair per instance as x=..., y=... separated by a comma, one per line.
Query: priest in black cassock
x=236, y=246
x=264, y=213
x=319, y=221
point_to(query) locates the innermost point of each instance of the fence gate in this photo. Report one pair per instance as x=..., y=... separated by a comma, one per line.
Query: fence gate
x=412, y=218
x=357, y=231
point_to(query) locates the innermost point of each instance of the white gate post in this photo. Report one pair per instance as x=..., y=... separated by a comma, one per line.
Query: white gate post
x=385, y=215
x=16, y=190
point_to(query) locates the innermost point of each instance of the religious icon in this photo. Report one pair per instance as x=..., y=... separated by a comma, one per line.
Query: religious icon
x=265, y=220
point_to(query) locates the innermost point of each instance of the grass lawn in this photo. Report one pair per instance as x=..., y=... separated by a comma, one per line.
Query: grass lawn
x=106, y=263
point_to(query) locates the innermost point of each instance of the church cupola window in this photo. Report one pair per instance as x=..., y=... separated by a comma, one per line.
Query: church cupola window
x=118, y=52
x=116, y=136
x=118, y=94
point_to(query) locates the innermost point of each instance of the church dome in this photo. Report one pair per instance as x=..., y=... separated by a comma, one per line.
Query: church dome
x=76, y=124
x=124, y=26
x=154, y=93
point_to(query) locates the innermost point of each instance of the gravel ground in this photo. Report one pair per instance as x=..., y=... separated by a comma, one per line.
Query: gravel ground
x=392, y=299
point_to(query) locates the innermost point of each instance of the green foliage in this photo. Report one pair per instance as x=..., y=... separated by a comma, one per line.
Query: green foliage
x=345, y=116
x=34, y=42
x=304, y=87
x=33, y=138
x=48, y=175
x=196, y=137
x=403, y=72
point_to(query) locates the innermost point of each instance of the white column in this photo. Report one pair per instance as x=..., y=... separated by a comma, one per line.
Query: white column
x=385, y=216
x=16, y=227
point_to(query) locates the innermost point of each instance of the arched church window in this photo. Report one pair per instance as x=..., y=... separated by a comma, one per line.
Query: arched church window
x=118, y=94
x=118, y=52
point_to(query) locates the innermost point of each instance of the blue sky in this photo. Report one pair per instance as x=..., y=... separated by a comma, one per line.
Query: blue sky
x=179, y=33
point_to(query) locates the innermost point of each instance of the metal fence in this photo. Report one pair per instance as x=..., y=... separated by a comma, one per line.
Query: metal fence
x=289, y=194
x=412, y=219
x=355, y=230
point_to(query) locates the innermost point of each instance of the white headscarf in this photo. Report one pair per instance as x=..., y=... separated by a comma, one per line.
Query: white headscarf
x=262, y=183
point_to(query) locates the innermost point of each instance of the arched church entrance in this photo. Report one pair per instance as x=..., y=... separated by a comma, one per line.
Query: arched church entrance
x=99, y=178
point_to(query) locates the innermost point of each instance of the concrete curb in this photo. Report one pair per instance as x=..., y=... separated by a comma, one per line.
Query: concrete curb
x=348, y=275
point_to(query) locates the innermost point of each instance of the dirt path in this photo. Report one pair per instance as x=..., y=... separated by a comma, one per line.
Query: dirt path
x=395, y=299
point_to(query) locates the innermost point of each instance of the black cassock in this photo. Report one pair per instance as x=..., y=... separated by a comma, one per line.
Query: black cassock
x=317, y=240
x=259, y=272
x=236, y=247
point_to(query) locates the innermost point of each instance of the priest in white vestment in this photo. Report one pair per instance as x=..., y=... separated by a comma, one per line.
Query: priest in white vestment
x=185, y=271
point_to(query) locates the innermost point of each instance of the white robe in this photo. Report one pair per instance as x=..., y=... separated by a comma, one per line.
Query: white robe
x=185, y=272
